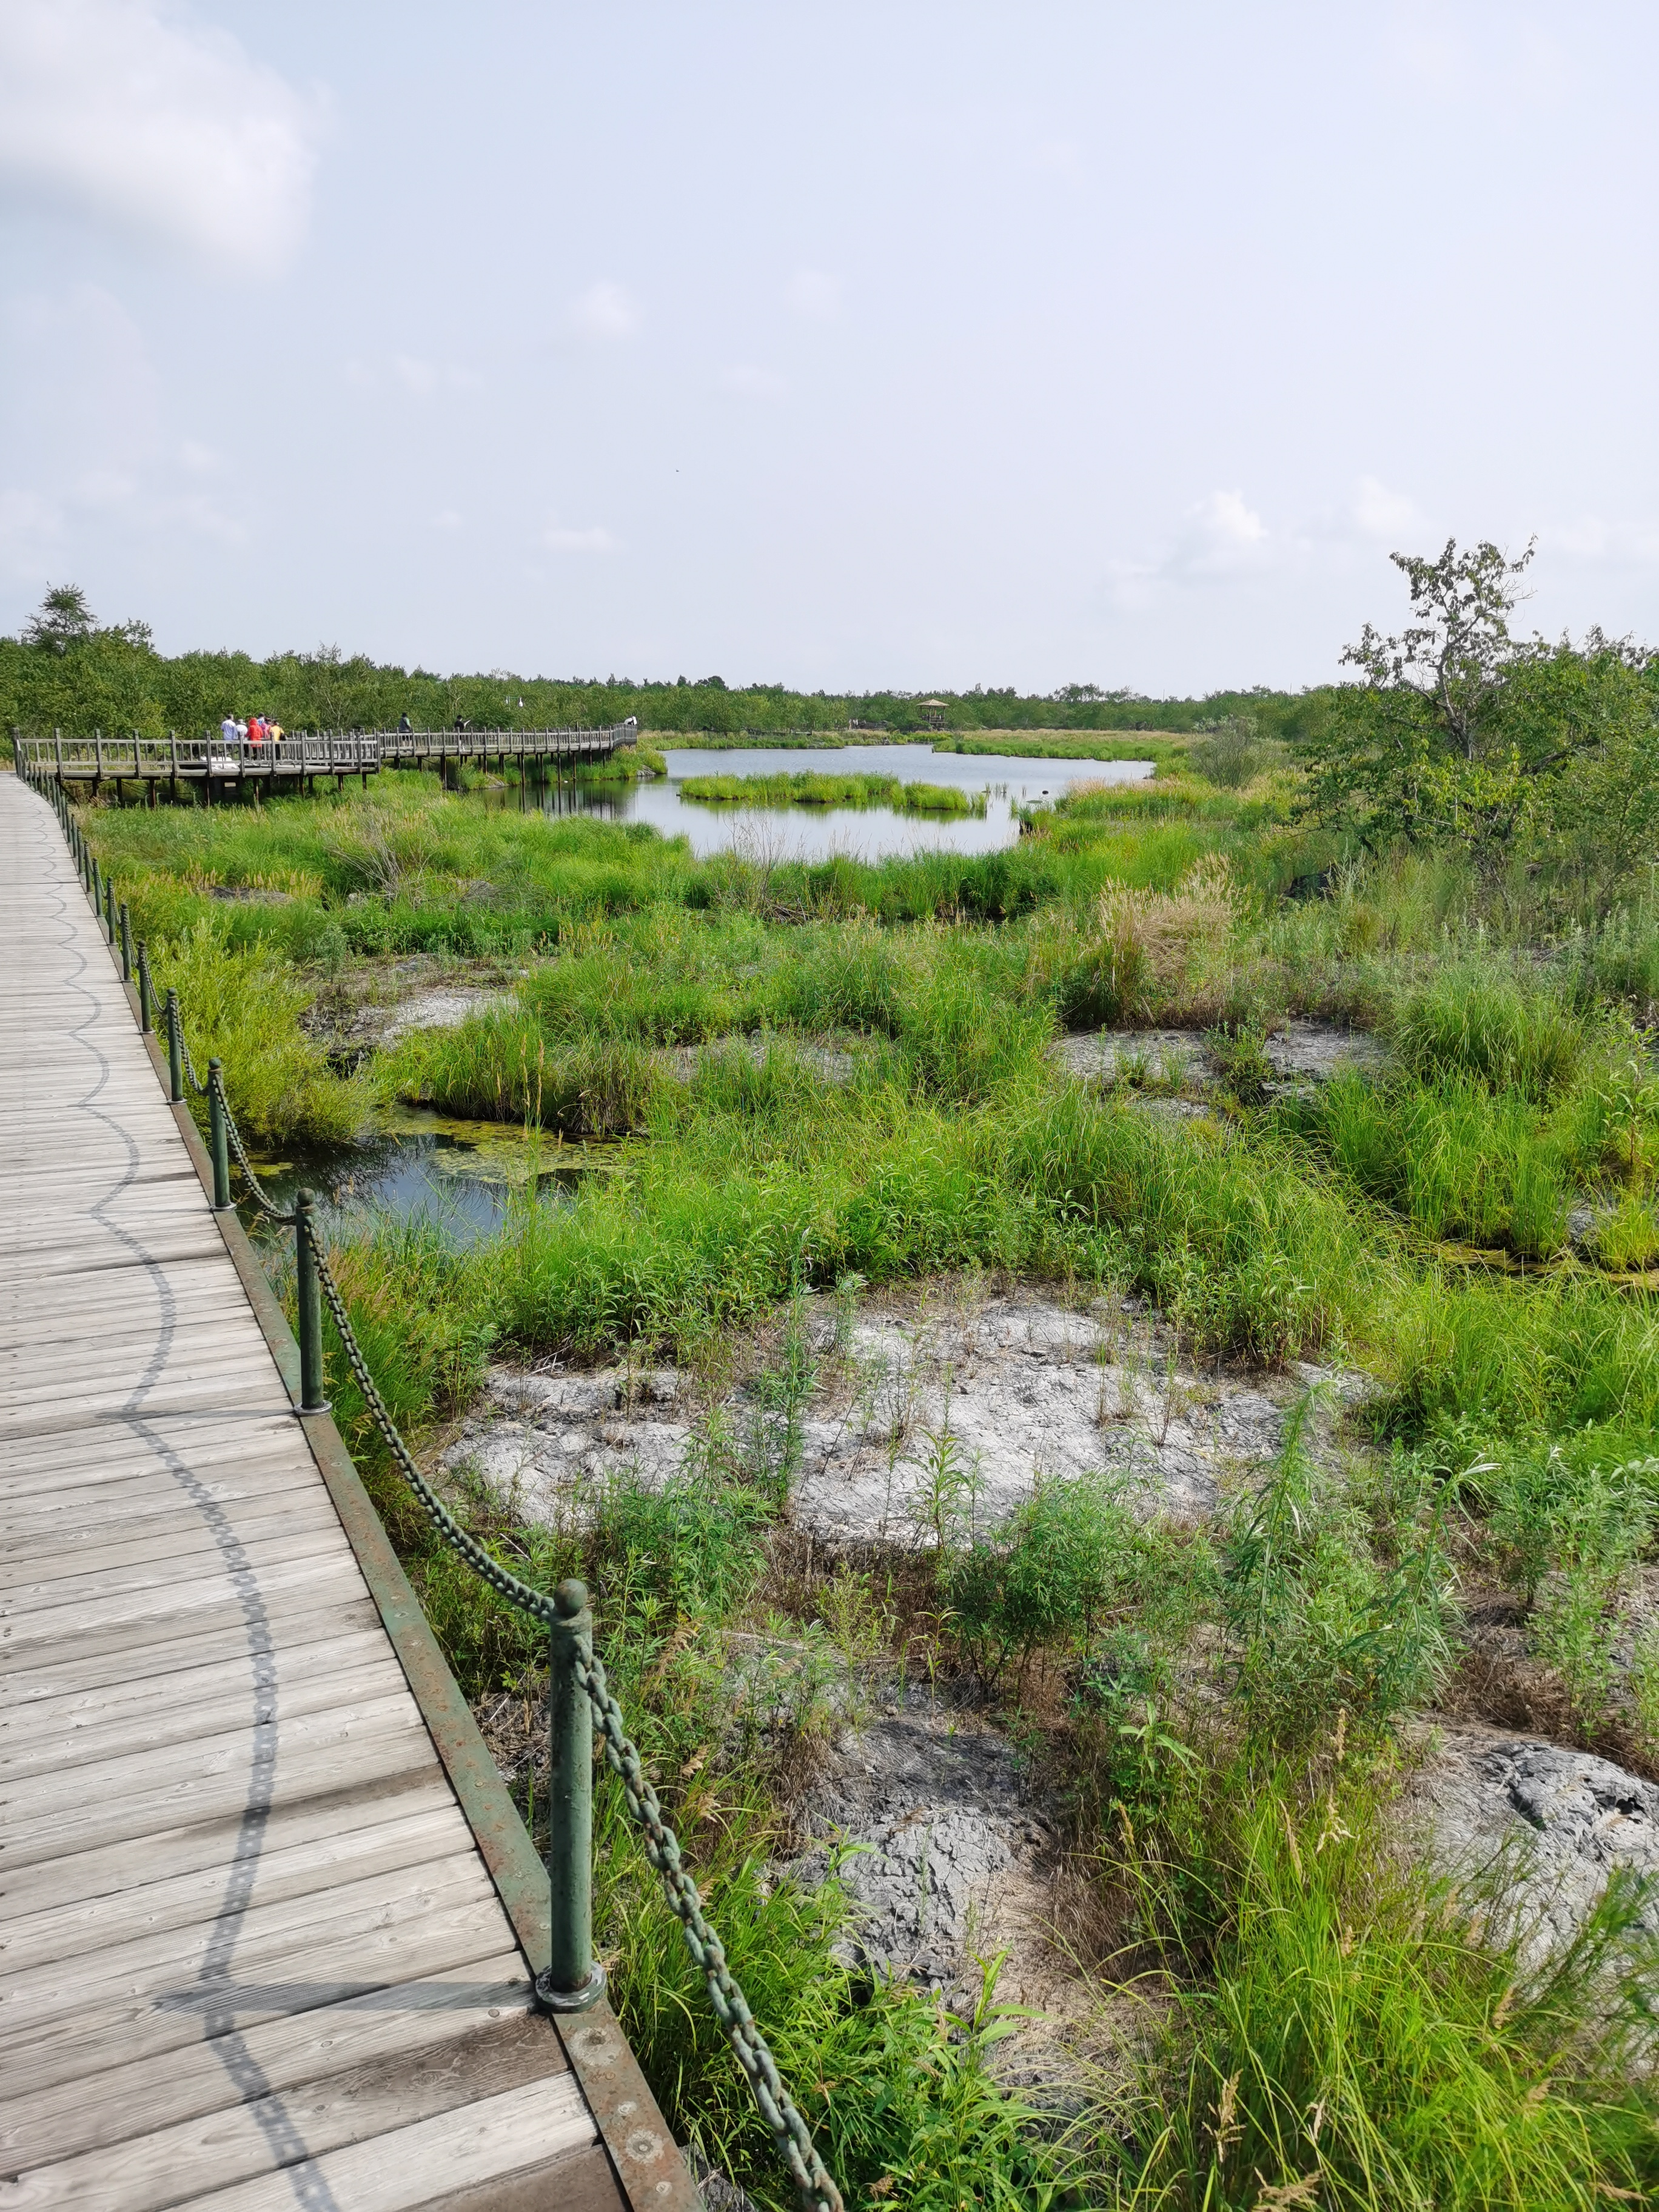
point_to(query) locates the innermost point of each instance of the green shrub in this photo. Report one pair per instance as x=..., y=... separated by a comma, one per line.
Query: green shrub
x=1069, y=1553
x=1353, y=2035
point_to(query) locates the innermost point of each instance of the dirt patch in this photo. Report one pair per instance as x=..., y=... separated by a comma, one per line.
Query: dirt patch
x=1300, y=1052
x=1015, y=1388
x=370, y=1007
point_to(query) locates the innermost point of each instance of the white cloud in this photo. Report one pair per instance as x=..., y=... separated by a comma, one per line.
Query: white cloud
x=1222, y=534
x=142, y=118
x=423, y=378
x=446, y=517
x=749, y=382
x=605, y=310
x=1379, y=512
x=813, y=295
x=578, y=541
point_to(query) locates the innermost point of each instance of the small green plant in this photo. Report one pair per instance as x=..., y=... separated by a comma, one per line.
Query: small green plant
x=1067, y=1554
x=776, y=1427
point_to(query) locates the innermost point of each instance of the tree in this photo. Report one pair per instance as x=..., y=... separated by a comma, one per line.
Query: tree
x=62, y=619
x=1456, y=660
x=1460, y=731
x=1418, y=747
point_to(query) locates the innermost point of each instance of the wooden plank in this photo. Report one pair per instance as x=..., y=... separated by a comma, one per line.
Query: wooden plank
x=135, y=1574
x=400, y=2172
x=411, y=1937
x=196, y=1642
x=220, y=1440
x=210, y=1964
x=59, y=1931
x=38, y=1726
x=115, y=1800
x=297, y=1815
x=64, y=1633
x=78, y=1521
x=376, y=2097
x=176, y=1720
x=222, y=1342
x=61, y=2121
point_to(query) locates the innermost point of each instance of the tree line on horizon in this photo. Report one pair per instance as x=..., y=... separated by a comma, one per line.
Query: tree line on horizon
x=67, y=671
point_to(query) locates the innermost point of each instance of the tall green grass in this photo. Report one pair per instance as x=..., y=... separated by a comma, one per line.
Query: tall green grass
x=1346, y=2034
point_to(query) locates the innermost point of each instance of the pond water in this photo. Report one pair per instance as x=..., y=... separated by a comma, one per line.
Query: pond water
x=817, y=833
x=462, y=1175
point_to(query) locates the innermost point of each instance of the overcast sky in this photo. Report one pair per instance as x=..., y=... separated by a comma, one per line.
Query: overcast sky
x=833, y=345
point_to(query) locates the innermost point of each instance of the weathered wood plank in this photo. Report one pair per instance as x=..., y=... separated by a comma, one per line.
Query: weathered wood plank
x=376, y=2097
x=303, y=1817
x=49, y=1816
x=397, y=2173
x=63, y=1726
x=71, y=1632
x=187, y=1645
x=299, y=1536
x=410, y=1937
x=61, y=2121
x=60, y=1931
x=171, y=1721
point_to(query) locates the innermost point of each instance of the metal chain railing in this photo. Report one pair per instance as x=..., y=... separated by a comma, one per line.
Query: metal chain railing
x=572, y=1981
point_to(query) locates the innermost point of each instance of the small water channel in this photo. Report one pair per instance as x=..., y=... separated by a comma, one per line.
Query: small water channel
x=462, y=1176
x=814, y=833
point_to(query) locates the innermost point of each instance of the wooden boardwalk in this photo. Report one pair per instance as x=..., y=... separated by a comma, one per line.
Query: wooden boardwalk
x=251, y=1956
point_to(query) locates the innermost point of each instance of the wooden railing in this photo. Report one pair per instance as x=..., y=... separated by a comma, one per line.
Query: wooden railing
x=302, y=753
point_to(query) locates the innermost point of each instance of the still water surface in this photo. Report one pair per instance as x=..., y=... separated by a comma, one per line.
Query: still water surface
x=463, y=1176
x=815, y=833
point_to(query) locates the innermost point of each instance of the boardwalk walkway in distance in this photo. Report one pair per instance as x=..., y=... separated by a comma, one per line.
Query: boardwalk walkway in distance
x=251, y=1956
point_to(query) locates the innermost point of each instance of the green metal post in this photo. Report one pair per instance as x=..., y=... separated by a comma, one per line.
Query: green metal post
x=311, y=1399
x=175, y=1049
x=219, y=1135
x=146, y=993
x=126, y=943
x=109, y=908
x=572, y=1980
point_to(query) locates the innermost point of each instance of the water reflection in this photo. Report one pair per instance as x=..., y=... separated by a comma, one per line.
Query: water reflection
x=462, y=1175
x=870, y=833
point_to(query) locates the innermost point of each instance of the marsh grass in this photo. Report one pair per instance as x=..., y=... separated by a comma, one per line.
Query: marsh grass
x=1347, y=2034
x=813, y=788
x=1219, y=1705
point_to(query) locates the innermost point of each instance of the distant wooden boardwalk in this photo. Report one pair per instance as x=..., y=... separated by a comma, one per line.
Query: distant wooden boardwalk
x=250, y=1954
x=219, y=764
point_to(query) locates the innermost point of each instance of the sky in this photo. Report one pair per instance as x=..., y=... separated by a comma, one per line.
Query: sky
x=839, y=345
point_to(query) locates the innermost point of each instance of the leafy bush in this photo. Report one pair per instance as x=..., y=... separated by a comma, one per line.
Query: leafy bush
x=1066, y=1555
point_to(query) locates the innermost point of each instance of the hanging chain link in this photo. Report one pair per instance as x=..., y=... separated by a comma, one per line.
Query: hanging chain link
x=817, y=2190
x=256, y=1188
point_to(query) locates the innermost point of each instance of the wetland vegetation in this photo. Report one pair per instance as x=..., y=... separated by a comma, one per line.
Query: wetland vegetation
x=825, y=1084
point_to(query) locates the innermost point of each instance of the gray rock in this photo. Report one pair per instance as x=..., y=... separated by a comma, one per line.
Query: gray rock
x=1562, y=1820
x=1302, y=1053
x=943, y=1848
